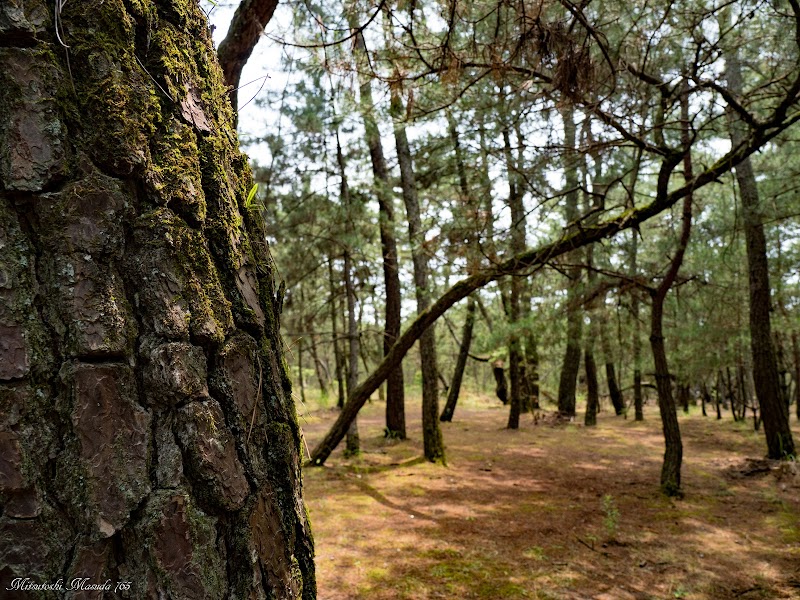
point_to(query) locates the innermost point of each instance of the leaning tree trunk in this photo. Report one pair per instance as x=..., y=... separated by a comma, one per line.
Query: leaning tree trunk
x=148, y=433
x=765, y=365
x=471, y=214
x=461, y=363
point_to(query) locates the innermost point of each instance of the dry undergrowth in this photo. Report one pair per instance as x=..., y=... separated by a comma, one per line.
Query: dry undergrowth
x=559, y=512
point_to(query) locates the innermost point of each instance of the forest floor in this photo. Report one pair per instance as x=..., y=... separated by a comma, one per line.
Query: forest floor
x=552, y=511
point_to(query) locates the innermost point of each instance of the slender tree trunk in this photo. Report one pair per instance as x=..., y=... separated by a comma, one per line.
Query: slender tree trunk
x=352, y=441
x=501, y=387
x=395, y=394
x=572, y=356
x=796, y=359
x=148, y=432
x=312, y=343
x=780, y=443
x=532, y=369
x=471, y=214
x=592, y=392
x=592, y=388
x=337, y=353
x=300, y=370
x=461, y=362
x=431, y=433
x=517, y=245
x=638, y=405
x=617, y=401
x=319, y=367
x=673, y=451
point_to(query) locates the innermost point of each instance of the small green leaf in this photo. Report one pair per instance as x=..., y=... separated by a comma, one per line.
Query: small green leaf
x=250, y=195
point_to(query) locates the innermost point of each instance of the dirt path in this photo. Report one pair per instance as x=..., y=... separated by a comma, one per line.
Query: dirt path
x=559, y=512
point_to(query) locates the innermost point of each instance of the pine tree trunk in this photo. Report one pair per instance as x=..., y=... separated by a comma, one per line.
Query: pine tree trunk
x=765, y=368
x=514, y=303
x=673, y=452
x=148, y=431
x=461, y=363
x=592, y=392
x=337, y=353
x=572, y=356
x=796, y=359
x=352, y=441
x=532, y=369
x=431, y=433
x=501, y=387
x=473, y=253
x=617, y=401
x=395, y=393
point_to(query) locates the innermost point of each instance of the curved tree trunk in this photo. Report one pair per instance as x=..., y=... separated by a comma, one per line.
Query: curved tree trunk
x=673, y=445
x=148, y=432
x=244, y=32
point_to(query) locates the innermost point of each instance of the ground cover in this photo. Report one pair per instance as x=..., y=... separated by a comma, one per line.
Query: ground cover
x=552, y=511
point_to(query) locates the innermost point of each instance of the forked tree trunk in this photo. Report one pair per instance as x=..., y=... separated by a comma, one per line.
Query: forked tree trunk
x=352, y=441
x=148, y=431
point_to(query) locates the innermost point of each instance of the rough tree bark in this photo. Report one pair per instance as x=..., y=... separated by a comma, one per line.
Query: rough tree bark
x=147, y=428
